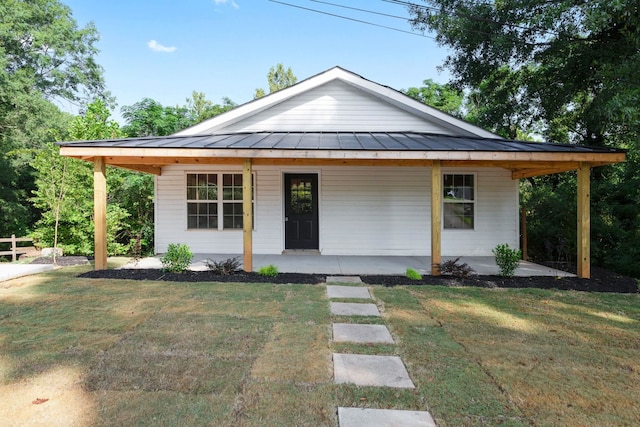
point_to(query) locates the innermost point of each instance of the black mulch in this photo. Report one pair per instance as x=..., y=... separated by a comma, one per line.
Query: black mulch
x=601, y=280
x=204, y=276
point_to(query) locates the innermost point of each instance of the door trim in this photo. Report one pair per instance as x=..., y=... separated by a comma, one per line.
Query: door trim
x=318, y=174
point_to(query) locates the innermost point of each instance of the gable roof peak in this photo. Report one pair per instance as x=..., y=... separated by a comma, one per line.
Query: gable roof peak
x=384, y=93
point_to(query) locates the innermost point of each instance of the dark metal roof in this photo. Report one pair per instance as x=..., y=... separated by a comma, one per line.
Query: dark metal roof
x=359, y=141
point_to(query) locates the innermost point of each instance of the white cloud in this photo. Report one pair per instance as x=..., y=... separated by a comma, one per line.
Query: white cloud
x=230, y=2
x=157, y=47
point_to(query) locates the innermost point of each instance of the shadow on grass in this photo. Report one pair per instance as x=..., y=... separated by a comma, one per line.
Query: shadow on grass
x=548, y=357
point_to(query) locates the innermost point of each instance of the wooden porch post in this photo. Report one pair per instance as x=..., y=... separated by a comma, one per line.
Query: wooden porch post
x=584, y=221
x=247, y=215
x=100, y=213
x=436, y=217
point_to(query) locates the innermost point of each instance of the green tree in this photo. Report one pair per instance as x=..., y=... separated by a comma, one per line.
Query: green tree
x=63, y=194
x=199, y=108
x=27, y=129
x=133, y=193
x=149, y=117
x=441, y=96
x=44, y=56
x=277, y=78
x=569, y=71
x=43, y=50
x=572, y=65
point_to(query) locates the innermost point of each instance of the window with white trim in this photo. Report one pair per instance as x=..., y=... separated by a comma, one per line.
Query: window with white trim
x=214, y=201
x=458, y=201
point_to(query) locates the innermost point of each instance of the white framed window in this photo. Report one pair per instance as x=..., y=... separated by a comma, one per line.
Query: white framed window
x=459, y=201
x=214, y=201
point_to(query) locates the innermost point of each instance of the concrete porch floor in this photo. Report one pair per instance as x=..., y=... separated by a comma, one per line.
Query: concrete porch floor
x=356, y=265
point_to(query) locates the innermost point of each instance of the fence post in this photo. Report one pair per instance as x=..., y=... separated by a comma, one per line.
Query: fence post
x=13, y=248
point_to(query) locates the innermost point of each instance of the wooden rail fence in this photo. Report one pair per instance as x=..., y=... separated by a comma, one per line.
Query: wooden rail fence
x=15, y=249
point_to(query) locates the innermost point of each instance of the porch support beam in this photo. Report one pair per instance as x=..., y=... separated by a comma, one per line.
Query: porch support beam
x=100, y=213
x=584, y=221
x=173, y=155
x=247, y=215
x=436, y=217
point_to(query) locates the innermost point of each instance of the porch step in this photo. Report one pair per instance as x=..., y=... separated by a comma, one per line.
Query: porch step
x=343, y=279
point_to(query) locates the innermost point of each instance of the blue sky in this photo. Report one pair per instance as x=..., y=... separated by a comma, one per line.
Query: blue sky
x=166, y=49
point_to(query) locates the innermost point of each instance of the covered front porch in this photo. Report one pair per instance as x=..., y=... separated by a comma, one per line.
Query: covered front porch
x=356, y=265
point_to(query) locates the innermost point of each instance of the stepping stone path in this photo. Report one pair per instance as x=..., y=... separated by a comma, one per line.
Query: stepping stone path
x=358, y=417
x=354, y=309
x=358, y=369
x=368, y=370
x=378, y=334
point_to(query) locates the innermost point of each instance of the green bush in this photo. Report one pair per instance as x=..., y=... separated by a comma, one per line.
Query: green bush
x=507, y=259
x=177, y=258
x=268, y=270
x=413, y=275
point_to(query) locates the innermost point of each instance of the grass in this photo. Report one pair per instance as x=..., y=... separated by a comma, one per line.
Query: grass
x=107, y=352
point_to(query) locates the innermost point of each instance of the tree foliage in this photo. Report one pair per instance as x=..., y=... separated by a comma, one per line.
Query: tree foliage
x=44, y=56
x=199, y=108
x=571, y=65
x=43, y=50
x=64, y=194
x=444, y=97
x=149, y=117
x=570, y=72
x=277, y=78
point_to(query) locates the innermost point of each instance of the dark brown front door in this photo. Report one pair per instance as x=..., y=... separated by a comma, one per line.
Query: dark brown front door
x=301, y=211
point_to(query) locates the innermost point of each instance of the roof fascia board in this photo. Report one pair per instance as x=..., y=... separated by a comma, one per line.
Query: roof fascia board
x=343, y=154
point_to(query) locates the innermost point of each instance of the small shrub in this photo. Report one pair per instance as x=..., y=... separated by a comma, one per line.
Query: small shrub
x=413, y=275
x=453, y=268
x=268, y=270
x=507, y=259
x=227, y=267
x=177, y=258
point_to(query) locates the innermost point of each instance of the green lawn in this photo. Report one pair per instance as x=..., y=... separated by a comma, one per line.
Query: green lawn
x=108, y=352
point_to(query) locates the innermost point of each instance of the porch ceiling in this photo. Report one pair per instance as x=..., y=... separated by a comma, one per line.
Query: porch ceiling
x=523, y=158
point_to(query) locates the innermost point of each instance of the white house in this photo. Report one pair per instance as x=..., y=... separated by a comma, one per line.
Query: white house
x=339, y=165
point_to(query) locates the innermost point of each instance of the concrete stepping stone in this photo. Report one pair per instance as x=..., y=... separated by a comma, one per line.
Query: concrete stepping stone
x=347, y=332
x=357, y=417
x=347, y=292
x=343, y=279
x=354, y=309
x=364, y=370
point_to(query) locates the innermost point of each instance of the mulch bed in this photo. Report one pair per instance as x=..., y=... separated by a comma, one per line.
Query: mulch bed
x=601, y=280
x=204, y=276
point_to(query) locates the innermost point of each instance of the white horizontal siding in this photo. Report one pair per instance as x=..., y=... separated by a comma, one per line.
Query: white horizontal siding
x=496, y=215
x=335, y=106
x=171, y=214
x=374, y=211
x=363, y=211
